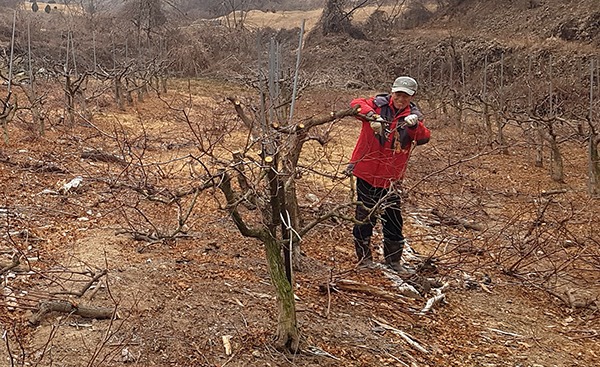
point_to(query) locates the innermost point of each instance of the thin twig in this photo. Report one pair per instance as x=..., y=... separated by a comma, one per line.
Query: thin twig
x=85, y=287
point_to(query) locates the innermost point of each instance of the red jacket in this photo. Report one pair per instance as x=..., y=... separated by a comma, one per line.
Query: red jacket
x=380, y=161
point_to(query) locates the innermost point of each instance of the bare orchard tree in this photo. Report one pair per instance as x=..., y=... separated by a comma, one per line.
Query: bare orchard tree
x=593, y=140
x=9, y=108
x=72, y=86
x=336, y=19
x=550, y=135
x=593, y=163
x=235, y=12
x=147, y=16
x=269, y=184
x=36, y=105
x=259, y=189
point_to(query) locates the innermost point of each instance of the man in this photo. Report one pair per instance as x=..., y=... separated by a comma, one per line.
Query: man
x=391, y=128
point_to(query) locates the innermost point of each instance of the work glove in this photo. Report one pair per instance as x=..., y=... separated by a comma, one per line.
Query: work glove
x=348, y=171
x=411, y=120
x=376, y=123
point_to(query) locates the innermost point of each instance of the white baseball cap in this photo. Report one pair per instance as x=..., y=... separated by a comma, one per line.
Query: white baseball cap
x=405, y=84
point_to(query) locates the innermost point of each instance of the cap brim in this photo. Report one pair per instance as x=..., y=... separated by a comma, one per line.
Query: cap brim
x=410, y=92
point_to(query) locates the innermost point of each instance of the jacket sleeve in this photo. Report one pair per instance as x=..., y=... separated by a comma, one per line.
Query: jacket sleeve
x=416, y=111
x=420, y=134
x=366, y=105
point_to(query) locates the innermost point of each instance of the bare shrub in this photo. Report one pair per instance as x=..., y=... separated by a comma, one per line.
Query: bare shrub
x=416, y=15
x=335, y=19
x=377, y=23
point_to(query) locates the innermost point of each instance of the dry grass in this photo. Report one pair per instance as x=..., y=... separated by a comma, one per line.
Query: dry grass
x=293, y=19
x=71, y=9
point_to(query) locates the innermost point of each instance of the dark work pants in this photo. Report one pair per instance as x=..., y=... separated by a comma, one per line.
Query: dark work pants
x=391, y=216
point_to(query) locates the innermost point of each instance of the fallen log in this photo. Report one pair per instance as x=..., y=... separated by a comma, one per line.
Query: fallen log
x=100, y=156
x=451, y=221
x=68, y=307
x=407, y=337
x=34, y=165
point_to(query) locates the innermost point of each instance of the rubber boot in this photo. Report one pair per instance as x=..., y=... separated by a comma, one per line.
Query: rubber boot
x=392, y=250
x=363, y=251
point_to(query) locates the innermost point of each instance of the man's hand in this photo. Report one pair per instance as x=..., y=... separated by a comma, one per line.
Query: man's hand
x=377, y=123
x=349, y=170
x=377, y=128
x=411, y=120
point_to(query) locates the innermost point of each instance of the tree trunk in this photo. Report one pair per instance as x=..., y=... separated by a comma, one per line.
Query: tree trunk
x=38, y=120
x=291, y=201
x=444, y=112
x=70, y=110
x=70, y=102
x=500, y=126
x=539, y=150
x=6, y=117
x=459, y=113
x=119, y=94
x=291, y=198
x=129, y=98
x=594, y=167
x=155, y=84
x=5, y=131
x=36, y=116
x=556, y=164
x=288, y=336
x=83, y=102
x=488, y=122
x=529, y=135
x=163, y=84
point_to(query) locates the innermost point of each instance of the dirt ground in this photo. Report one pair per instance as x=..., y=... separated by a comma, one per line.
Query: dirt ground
x=175, y=300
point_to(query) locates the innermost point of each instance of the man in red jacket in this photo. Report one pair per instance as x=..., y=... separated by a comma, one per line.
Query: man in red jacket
x=392, y=128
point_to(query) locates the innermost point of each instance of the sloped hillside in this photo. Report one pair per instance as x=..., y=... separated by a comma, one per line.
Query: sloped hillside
x=540, y=19
x=468, y=29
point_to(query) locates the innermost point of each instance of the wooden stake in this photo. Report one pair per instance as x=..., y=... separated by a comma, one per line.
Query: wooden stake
x=295, y=89
x=12, y=47
x=550, y=77
x=591, y=114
